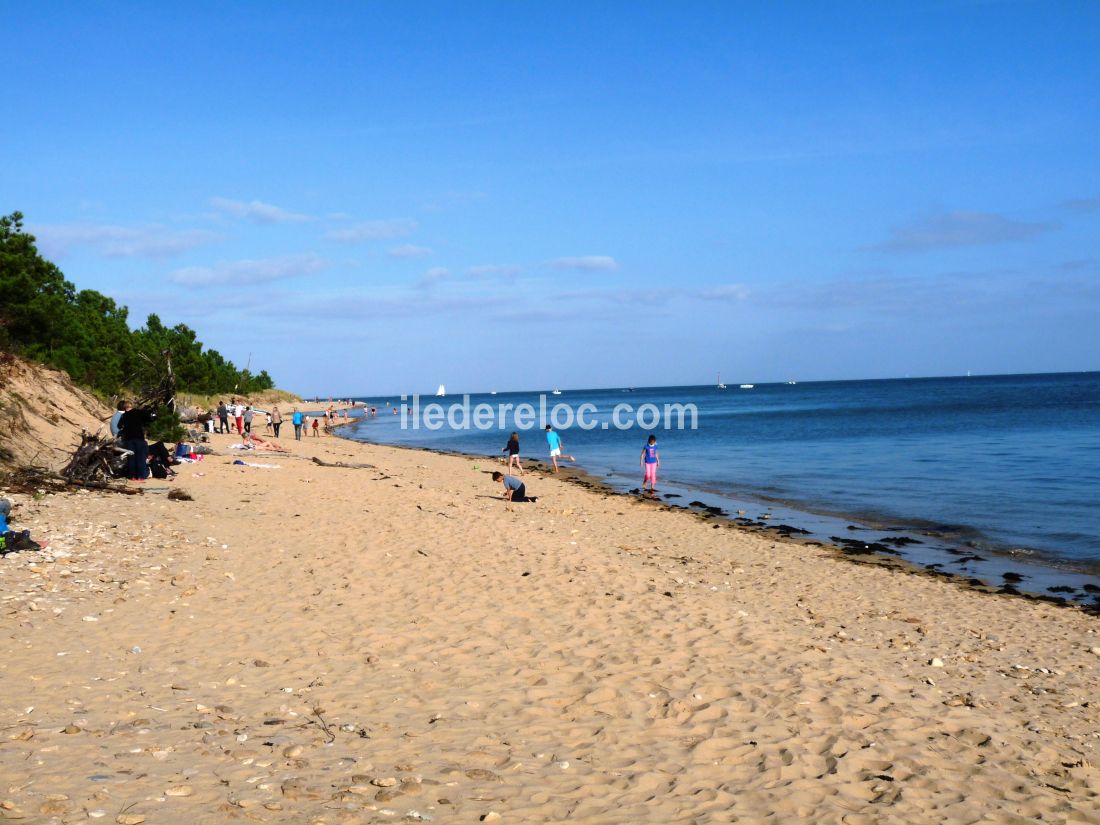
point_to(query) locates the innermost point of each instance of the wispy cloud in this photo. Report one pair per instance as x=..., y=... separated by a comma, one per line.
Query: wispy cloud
x=731, y=293
x=433, y=276
x=945, y=230
x=450, y=200
x=257, y=211
x=493, y=271
x=587, y=263
x=1082, y=204
x=357, y=306
x=1080, y=265
x=115, y=241
x=236, y=273
x=645, y=297
x=409, y=250
x=372, y=231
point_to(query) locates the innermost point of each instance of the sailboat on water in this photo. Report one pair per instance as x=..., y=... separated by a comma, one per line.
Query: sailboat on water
x=721, y=386
x=442, y=391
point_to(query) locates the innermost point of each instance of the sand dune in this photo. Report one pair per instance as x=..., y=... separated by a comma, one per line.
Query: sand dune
x=314, y=644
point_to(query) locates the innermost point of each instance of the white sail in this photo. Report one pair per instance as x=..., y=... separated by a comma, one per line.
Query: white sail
x=442, y=391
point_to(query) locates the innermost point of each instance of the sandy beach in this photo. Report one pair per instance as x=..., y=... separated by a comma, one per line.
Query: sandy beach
x=313, y=644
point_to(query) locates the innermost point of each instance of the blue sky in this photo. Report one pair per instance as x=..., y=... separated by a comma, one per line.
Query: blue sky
x=373, y=198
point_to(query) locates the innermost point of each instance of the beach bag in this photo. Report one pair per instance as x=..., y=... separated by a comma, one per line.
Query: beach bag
x=158, y=470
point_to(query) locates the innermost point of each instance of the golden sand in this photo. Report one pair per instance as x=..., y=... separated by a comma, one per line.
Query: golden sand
x=310, y=644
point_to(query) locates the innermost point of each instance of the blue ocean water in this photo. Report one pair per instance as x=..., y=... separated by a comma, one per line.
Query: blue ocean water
x=1009, y=463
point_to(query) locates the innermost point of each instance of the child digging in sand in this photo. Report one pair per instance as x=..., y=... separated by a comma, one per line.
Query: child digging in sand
x=514, y=489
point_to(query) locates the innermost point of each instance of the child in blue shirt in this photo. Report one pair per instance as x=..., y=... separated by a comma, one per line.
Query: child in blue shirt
x=650, y=460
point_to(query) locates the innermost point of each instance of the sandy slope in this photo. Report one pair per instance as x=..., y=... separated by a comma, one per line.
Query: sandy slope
x=311, y=644
x=42, y=413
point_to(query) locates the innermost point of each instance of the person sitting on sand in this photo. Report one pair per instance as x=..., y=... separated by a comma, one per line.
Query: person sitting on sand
x=514, y=489
x=554, y=440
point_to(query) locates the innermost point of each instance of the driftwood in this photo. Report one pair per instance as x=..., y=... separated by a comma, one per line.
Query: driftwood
x=98, y=458
x=159, y=387
x=31, y=480
x=343, y=464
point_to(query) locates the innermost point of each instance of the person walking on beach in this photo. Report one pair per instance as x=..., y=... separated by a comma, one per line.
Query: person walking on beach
x=650, y=460
x=296, y=418
x=514, y=489
x=512, y=448
x=316, y=426
x=223, y=417
x=248, y=415
x=276, y=420
x=554, y=440
x=238, y=416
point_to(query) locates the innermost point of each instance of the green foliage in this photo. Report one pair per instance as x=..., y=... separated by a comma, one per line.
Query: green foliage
x=166, y=427
x=86, y=334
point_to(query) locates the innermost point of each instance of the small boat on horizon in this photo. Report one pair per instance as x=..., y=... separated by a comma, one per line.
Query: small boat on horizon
x=747, y=386
x=555, y=392
x=721, y=386
x=442, y=391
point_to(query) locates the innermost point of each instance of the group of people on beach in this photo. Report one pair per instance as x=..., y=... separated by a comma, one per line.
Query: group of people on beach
x=129, y=425
x=236, y=415
x=515, y=490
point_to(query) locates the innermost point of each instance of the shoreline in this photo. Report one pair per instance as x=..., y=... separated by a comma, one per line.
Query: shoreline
x=851, y=548
x=396, y=643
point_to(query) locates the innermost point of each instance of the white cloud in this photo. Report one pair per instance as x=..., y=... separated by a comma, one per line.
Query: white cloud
x=257, y=211
x=409, y=250
x=236, y=273
x=114, y=241
x=587, y=263
x=372, y=231
x=955, y=229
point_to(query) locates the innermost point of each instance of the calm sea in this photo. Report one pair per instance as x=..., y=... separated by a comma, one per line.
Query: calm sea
x=1010, y=464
